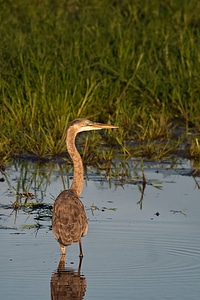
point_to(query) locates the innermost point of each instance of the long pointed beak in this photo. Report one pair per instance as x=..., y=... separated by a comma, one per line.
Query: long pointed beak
x=95, y=125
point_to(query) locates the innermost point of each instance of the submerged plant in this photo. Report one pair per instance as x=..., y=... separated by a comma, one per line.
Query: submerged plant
x=195, y=149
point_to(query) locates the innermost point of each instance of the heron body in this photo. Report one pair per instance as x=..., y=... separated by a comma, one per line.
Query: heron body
x=69, y=219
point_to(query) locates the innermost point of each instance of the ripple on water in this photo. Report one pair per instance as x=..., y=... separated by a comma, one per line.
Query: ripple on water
x=137, y=257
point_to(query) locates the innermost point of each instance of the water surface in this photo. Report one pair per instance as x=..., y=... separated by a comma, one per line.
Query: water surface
x=135, y=249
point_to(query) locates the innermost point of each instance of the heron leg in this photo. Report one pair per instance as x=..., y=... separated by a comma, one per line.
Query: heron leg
x=79, y=266
x=61, y=266
x=80, y=247
x=63, y=249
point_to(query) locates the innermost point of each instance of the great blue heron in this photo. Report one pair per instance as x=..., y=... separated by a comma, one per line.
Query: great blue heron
x=69, y=220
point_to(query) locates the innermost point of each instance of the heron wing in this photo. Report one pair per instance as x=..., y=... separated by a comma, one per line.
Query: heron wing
x=69, y=220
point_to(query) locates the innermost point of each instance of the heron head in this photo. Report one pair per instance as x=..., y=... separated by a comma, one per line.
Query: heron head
x=87, y=125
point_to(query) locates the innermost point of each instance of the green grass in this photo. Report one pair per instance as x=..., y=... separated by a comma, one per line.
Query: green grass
x=135, y=64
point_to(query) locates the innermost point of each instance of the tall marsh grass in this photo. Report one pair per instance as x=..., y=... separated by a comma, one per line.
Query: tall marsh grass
x=133, y=63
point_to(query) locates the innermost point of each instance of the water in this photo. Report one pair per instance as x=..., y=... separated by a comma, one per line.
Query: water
x=148, y=249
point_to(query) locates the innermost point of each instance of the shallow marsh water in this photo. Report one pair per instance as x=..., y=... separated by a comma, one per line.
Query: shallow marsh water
x=140, y=245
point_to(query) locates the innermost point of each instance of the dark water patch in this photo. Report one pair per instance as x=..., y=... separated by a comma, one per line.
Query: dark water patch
x=7, y=227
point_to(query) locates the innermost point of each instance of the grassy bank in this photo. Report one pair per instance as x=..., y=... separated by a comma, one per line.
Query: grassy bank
x=134, y=63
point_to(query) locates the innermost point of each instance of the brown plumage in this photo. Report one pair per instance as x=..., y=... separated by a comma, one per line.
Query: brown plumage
x=69, y=220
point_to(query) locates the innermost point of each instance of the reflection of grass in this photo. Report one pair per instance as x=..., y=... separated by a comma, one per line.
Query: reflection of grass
x=134, y=64
x=30, y=183
x=42, y=211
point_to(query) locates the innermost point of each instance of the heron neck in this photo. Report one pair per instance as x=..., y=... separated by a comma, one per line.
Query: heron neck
x=77, y=183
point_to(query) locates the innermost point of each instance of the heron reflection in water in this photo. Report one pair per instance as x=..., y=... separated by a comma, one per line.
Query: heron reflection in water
x=66, y=283
x=69, y=219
